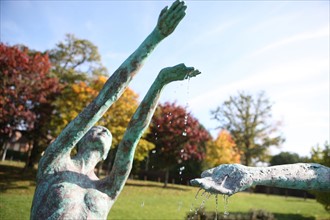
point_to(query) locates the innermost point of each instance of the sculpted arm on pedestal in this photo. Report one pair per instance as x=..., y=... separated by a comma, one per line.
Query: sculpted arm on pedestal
x=232, y=178
x=168, y=20
x=114, y=183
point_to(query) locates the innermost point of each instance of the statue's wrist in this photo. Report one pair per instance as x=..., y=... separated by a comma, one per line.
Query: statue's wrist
x=157, y=35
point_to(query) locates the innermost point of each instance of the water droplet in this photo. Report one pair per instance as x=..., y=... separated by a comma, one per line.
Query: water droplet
x=225, y=199
x=158, y=126
x=154, y=151
x=184, y=133
x=179, y=206
x=197, y=193
x=216, y=206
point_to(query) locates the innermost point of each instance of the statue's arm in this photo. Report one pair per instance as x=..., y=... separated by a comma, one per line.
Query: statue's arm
x=168, y=20
x=304, y=176
x=232, y=178
x=114, y=183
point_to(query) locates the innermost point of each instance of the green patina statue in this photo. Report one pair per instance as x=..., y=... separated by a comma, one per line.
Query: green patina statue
x=67, y=187
x=232, y=178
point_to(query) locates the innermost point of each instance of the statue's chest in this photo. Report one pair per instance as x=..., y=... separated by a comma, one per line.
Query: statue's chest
x=76, y=198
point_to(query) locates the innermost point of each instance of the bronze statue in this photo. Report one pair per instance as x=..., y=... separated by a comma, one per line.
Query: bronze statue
x=67, y=188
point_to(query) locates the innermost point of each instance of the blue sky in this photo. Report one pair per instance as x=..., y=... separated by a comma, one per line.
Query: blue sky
x=280, y=47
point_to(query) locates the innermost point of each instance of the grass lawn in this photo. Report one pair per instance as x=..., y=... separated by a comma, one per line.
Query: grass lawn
x=149, y=200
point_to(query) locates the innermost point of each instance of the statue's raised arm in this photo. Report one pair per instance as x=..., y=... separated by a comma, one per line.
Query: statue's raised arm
x=67, y=187
x=168, y=20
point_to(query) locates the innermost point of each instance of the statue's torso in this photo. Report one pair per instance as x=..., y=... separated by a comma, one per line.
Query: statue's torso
x=69, y=195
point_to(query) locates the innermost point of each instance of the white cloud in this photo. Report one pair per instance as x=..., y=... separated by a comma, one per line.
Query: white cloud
x=323, y=32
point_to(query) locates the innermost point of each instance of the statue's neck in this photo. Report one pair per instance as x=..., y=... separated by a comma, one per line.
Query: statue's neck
x=87, y=161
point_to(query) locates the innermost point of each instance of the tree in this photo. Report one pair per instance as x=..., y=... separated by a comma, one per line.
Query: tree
x=247, y=118
x=26, y=92
x=286, y=158
x=76, y=97
x=78, y=65
x=322, y=156
x=222, y=150
x=75, y=59
x=177, y=135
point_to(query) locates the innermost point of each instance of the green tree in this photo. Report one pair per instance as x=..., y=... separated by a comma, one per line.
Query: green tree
x=286, y=158
x=322, y=156
x=75, y=59
x=247, y=118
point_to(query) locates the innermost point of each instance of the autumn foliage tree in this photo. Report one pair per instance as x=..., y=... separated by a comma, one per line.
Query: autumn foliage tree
x=177, y=135
x=222, y=150
x=77, y=96
x=77, y=63
x=27, y=89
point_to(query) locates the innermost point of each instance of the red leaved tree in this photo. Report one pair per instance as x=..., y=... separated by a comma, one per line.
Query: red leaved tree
x=177, y=135
x=26, y=90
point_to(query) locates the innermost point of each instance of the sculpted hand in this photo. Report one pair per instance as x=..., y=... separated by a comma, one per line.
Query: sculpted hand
x=225, y=179
x=170, y=18
x=176, y=73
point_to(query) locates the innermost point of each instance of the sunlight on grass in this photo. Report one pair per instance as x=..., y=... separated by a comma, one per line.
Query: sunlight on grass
x=149, y=200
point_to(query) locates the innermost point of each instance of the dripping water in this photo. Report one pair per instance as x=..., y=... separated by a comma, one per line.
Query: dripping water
x=192, y=207
x=207, y=196
x=184, y=133
x=216, y=206
x=225, y=200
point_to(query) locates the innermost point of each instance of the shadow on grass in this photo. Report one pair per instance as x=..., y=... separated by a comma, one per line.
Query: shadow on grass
x=11, y=178
x=280, y=216
x=148, y=184
x=252, y=215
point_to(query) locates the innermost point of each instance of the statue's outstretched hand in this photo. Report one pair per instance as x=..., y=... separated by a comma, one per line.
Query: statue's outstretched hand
x=176, y=73
x=225, y=179
x=170, y=18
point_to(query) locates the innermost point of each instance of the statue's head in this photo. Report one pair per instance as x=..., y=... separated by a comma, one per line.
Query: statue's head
x=98, y=138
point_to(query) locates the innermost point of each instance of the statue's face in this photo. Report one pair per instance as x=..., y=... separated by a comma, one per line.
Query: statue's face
x=97, y=138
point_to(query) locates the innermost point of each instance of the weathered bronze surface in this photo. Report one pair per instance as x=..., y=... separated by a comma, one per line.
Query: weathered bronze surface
x=232, y=178
x=67, y=188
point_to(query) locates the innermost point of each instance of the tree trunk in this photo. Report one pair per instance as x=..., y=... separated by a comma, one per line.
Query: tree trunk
x=146, y=168
x=5, y=151
x=167, y=174
x=27, y=162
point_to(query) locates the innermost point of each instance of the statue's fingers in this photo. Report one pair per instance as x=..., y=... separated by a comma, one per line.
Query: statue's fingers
x=163, y=11
x=175, y=5
x=207, y=173
x=194, y=73
x=177, y=12
x=176, y=20
x=179, y=9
